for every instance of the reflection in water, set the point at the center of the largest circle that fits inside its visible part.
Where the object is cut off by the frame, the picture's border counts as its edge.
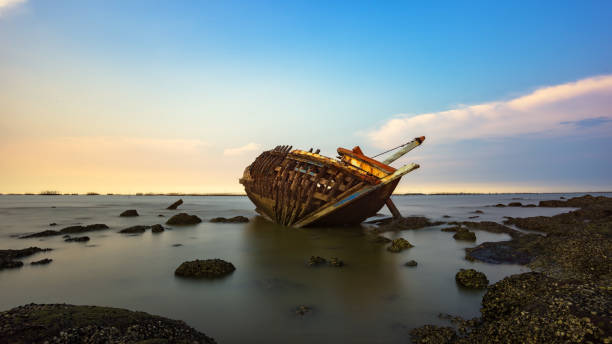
(374, 298)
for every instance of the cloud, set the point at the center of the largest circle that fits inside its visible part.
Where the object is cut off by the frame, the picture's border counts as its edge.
(249, 147)
(7, 4)
(587, 104)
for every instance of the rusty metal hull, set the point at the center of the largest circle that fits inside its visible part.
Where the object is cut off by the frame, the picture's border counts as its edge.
(298, 188)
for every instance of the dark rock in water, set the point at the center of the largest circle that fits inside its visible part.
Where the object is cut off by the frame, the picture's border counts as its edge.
(129, 213)
(520, 250)
(431, 334)
(404, 223)
(177, 245)
(478, 212)
(82, 229)
(471, 278)
(446, 216)
(235, 219)
(464, 234)
(135, 229)
(411, 263)
(515, 204)
(42, 261)
(335, 262)
(157, 228)
(10, 264)
(302, 310)
(561, 197)
(499, 205)
(46, 233)
(175, 204)
(474, 217)
(183, 219)
(316, 261)
(451, 229)
(53, 224)
(160, 215)
(492, 227)
(399, 245)
(77, 239)
(62, 323)
(209, 268)
(8, 257)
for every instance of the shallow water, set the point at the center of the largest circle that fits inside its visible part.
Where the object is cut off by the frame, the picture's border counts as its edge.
(373, 299)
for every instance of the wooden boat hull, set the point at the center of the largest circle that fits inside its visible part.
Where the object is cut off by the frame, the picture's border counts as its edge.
(298, 188)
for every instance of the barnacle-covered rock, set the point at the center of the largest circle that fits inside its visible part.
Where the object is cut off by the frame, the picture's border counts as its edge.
(471, 278)
(399, 245)
(208, 268)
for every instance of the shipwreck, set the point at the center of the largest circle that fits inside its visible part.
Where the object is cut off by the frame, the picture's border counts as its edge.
(303, 188)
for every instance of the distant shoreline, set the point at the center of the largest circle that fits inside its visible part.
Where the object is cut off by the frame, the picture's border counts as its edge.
(244, 194)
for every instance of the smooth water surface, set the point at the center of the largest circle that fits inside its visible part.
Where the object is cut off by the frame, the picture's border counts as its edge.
(373, 299)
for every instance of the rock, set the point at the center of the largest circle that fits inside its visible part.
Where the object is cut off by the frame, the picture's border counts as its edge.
(515, 204)
(316, 261)
(464, 234)
(335, 262)
(135, 229)
(62, 323)
(499, 205)
(302, 310)
(399, 245)
(208, 268)
(157, 228)
(478, 212)
(235, 219)
(451, 229)
(431, 334)
(175, 205)
(83, 229)
(183, 219)
(129, 213)
(492, 227)
(474, 217)
(471, 278)
(77, 239)
(177, 245)
(45, 233)
(529, 206)
(8, 257)
(42, 261)
(53, 224)
(411, 263)
(160, 215)
(446, 216)
(404, 223)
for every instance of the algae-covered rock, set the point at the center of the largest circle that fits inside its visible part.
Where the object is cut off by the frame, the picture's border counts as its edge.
(77, 239)
(235, 219)
(399, 245)
(464, 234)
(157, 228)
(411, 263)
(129, 213)
(62, 323)
(316, 261)
(208, 268)
(42, 262)
(335, 262)
(134, 230)
(431, 334)
(183, 219)
(471, 278)
(302, 310)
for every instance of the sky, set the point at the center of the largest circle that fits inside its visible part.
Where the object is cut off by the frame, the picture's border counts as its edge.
(180, 96)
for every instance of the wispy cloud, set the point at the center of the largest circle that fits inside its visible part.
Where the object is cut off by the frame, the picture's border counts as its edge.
(7, 4)
(249, 147)
(586, 103)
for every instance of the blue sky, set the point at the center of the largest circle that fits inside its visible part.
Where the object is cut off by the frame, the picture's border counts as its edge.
(214, 76)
